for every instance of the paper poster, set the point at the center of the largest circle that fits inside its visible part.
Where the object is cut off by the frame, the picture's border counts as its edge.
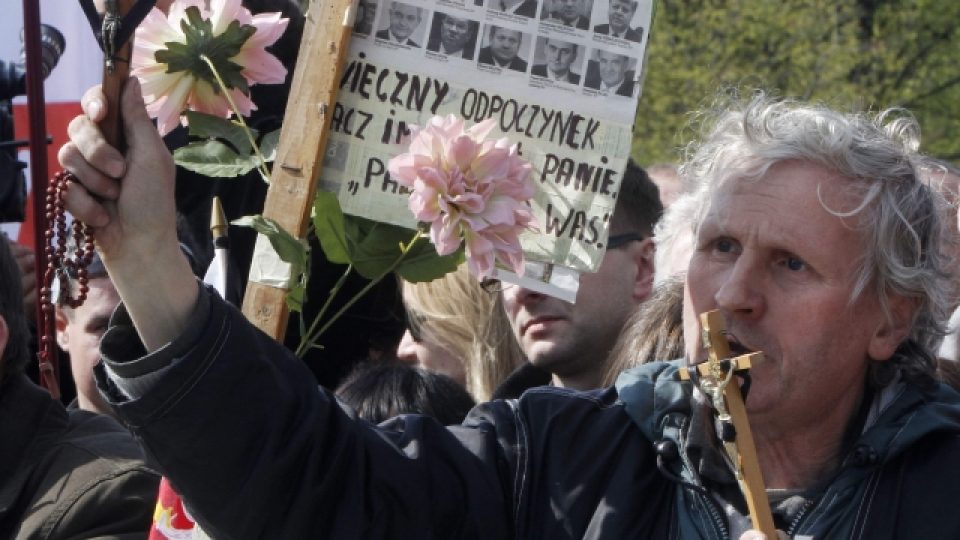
(561, 77)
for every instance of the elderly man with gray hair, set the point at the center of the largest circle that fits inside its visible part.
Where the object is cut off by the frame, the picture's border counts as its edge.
(816, 241)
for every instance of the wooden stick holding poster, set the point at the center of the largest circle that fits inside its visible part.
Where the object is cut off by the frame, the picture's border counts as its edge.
(303, 141)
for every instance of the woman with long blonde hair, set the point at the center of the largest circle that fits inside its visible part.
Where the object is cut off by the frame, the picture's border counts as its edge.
(457, 328)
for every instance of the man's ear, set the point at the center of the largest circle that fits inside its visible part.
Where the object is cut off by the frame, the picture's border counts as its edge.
(60, 317)
(642, 253)
(891, 332)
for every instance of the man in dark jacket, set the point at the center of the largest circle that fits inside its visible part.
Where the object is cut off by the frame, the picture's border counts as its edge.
(453, 36)
(62, 474)
(503, 51)
(817, 243)
(559, 57)
(523, 8)
(620, 13)
(404, 20)
(610, 73)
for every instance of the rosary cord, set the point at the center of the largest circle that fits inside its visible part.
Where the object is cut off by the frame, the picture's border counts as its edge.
(61, 266)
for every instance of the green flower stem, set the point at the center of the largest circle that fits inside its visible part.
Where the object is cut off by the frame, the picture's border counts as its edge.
(308, 339)
(261, 167)
(404, 250)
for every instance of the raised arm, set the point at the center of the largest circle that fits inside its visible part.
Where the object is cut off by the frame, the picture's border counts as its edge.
(128, 199)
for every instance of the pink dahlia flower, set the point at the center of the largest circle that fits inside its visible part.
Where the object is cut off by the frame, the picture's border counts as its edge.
(167, 50)
(469, 189)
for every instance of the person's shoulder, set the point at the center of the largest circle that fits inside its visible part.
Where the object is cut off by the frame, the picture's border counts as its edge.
(92, 477)
(98, 448)
(601, 29)
(583, 23)
(518, 64)
(528, 8)
(539, 70)
(634, 34)
(573, 78)
(383, 34)
(546, 401)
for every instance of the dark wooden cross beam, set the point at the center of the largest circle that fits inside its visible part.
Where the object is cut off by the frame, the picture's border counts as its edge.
(715, 378)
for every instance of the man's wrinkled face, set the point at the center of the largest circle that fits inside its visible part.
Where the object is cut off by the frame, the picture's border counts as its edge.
(404, 19)
(505, 44)
(568, 10)
(612, 67)
(621, 13)
(454, 33)
(782, 270)
(559, 55)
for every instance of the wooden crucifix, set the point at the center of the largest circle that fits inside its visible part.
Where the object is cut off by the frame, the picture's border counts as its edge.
(303, 141)
(715, 377)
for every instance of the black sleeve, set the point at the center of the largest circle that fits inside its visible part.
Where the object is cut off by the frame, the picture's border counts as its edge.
(259, 451)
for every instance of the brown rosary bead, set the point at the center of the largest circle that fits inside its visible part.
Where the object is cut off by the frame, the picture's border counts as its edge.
(59, 262)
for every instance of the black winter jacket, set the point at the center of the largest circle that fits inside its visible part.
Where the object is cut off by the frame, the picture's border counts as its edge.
(238, 425)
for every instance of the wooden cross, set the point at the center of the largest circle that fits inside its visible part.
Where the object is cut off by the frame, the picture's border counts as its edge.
(733, 428)
(303, 141)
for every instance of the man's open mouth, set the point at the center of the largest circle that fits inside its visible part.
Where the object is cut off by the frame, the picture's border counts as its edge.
(737, 348)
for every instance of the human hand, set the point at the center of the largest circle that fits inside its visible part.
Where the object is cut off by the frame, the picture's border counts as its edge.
(126, 199)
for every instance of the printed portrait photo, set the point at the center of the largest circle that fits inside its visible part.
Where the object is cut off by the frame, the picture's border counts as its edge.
(557, 60)
(453, 36)
(505, 48)
(618, 15)
(524, 8)
(402, 23)
(366, 14)
(572, 13)
(611, 73)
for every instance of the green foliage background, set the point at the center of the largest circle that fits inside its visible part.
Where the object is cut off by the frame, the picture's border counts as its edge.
(851, 54)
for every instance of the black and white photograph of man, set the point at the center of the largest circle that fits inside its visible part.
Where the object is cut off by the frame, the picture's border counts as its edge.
(557, 61)
(400, 24)
(503, 49)
(620, 14)
(524, 8)
(453, 36)
(610, 73)
(572, 13)
(366, 14)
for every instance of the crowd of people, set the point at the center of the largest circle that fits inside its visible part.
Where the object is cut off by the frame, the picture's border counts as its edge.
(824, 238)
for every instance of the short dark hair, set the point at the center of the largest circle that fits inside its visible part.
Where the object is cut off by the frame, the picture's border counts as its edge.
(574, 45)
(378, 392)
(638, 205)
(17, 352)
(494, 28)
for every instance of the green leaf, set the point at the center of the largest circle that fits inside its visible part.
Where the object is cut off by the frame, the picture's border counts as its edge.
(424, 264)
(297, 296)
(268, 145)
(201, 41)
(208, 126)
(328, 224)
(375, 247)
(291, 250)
(213, 158)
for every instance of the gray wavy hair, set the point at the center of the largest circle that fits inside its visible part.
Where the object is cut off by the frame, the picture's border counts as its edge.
(877, 155)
